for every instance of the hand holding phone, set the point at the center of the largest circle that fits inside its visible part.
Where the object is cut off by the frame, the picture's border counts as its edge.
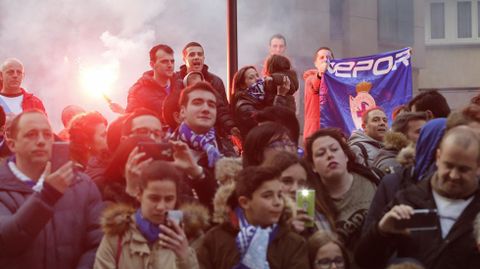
(421, 220)
(173, 236)
(402, 219)
(157, 151)
(306, 202)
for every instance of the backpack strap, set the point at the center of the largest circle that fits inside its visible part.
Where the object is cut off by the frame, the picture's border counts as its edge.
(364, 152)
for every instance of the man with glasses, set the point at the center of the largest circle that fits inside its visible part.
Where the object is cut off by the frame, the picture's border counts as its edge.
(144, 122)
(155, 85)
(48, 219)
(13, 98)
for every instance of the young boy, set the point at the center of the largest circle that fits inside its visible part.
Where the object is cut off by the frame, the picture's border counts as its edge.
(253, 234)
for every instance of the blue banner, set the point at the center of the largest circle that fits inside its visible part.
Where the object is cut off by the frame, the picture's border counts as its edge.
(354, 85)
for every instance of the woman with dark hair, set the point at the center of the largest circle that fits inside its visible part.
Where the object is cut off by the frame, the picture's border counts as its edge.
(265, 140)
(325, 250)
(349, 185)
(296, 175)
(87, 137)
(88, 143)
(250, 93)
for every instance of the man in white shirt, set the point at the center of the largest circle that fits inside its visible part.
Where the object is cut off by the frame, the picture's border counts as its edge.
(13, 98)
(453, 190)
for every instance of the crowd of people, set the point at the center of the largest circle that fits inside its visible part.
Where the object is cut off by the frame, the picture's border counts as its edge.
(190, 176)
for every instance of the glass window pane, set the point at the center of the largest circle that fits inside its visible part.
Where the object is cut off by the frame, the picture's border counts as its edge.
(437, 20)
(478, 17)
(405, 21)
(387, 21)
(464, 19)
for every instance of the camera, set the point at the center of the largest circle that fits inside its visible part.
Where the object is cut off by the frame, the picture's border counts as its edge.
(421, 220)
(157, 151)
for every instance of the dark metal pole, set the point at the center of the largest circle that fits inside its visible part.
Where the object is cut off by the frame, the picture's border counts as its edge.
(232, 45)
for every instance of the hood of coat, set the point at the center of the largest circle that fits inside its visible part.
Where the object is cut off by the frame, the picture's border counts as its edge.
(395, 140)
(406, 156)
(309, 73)
(116, 219)
(183, 72)
(360, 136)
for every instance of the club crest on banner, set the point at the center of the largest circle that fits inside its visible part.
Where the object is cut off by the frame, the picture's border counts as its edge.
(361, 102)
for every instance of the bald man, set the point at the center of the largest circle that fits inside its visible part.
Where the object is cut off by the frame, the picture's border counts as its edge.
(453, 193)
(13, 98)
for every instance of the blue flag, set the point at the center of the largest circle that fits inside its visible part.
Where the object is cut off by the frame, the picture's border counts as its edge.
(356, 84)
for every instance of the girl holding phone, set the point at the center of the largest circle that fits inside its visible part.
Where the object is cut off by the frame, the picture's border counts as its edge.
(146, 237)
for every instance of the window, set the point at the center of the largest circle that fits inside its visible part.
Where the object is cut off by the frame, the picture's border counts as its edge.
(437, 20)
(452, 22)
(478, 18)
(395, 21)
(464, 19)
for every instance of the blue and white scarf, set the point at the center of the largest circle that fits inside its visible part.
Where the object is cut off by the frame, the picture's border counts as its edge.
(252, 243)
(201, 142)
(149, 230)
(257, 90)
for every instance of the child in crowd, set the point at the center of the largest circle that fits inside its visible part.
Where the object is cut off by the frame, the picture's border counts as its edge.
(326, 251)
(254, 234)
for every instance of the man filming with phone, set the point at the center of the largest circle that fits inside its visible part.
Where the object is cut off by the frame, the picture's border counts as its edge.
(453, 191)
(48, 219)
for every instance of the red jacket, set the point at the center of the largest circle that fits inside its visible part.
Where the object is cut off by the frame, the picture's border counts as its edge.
(312, 103)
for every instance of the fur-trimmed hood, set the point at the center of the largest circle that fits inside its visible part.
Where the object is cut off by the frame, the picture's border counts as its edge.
(116, 219)
(226, 168)
(406, 156)
(395, 141)
(224, 196)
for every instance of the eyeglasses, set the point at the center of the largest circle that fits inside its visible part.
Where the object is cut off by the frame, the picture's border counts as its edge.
(144, 131)
(326, 263)
(281, 144)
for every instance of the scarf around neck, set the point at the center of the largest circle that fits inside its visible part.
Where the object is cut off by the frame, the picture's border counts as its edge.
(201, 142)
(149, 230)
(257, 90)
(252, 243)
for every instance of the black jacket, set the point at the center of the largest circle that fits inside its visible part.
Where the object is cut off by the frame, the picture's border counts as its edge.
(245, 107)
(457, 250)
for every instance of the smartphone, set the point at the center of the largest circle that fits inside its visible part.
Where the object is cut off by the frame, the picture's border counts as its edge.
(421, 220)
(175, 216)
(157, 151)
(306, 201)
(60, 155)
